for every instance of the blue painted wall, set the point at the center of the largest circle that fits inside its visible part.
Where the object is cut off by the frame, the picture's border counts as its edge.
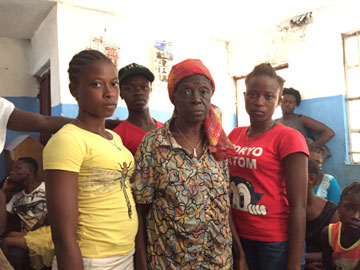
(30, 104)
(329, 110)
(71, 110)
(332, 112)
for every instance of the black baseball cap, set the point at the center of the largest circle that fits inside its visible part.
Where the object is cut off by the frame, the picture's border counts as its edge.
(135, 69)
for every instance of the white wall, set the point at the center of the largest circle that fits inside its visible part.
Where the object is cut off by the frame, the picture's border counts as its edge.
(16, 79)
(44, 53)
(314, 53)
(136, 40)
(315, 61)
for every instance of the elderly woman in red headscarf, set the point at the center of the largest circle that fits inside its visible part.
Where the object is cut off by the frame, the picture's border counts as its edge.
(181, 179)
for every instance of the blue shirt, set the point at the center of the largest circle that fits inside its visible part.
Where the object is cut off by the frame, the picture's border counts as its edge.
(328, 189)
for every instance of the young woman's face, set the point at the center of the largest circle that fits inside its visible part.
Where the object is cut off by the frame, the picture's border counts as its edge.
(262, 96)
(317, 157)
(349, 212)
(135, 90)
(98, 89)
(288, 104)
(192, 98)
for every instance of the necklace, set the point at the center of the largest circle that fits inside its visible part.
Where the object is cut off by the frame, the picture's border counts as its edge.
(112, 141)
(189, 144)
(258, 133)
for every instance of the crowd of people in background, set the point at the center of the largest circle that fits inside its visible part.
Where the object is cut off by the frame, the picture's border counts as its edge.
(176, 195)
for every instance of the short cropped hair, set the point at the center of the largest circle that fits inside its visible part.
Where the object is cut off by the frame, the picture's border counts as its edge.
(353, 188)
(293, 92)
(31, 162)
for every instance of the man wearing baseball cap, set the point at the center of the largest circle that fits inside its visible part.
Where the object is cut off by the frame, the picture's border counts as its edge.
(135, 88)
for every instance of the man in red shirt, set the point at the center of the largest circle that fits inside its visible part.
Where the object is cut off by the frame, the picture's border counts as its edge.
(135, 88)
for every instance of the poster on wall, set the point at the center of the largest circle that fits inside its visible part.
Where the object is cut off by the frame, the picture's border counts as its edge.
(163, 61)
(104, 43)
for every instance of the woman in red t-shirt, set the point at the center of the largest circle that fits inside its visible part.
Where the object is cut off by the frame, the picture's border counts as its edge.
(268, 179)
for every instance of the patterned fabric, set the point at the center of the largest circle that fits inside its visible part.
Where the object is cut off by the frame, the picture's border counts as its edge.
(187, 223)
(328, 189)
(219, 144)
(30, 208)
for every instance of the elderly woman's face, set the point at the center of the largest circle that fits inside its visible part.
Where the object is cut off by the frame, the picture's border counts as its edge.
(192, 98)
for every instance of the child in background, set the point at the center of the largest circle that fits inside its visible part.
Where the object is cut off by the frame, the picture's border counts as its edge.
(341, 241)
(319, 214)
(268, 179)
(326, 185)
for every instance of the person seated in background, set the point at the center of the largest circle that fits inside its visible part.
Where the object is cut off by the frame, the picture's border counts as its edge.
(135, 89)
(291, 98)
(326, 185)
(341, 241)
(29, 205)
(319, 213)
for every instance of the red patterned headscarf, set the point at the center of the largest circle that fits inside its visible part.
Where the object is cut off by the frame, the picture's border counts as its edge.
(219, 143)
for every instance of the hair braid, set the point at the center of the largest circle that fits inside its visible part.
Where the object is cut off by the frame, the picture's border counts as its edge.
(83, 59)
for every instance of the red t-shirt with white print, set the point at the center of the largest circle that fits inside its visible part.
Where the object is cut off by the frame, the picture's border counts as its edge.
(259, 202)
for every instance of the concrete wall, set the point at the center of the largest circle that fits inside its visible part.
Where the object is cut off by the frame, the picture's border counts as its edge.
(16, 81)
(15, 75)
(136, 45)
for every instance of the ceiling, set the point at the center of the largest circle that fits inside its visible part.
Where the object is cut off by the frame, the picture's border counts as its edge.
(225, 20)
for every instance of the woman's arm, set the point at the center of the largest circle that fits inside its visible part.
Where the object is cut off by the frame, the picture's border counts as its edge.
(325, 132)
(296, 173)
(62, 203)
(238, 252)
(27, 121)
(141, 239)
(326, 250)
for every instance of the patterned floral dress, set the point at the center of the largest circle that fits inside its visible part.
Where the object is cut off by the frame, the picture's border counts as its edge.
(188, 221)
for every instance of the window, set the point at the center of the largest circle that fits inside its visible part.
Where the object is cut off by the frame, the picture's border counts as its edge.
(351, 45)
